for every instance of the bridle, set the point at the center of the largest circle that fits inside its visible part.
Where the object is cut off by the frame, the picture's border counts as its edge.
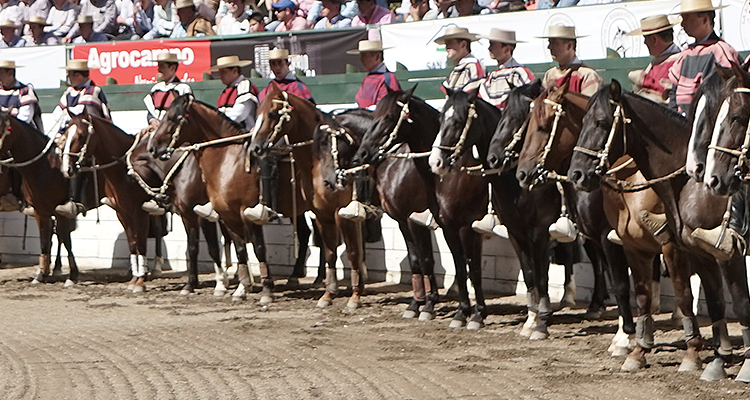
(285, 115)
(602, 155)
(743, 163)
(181, 119)
(9, 162)
(81, 154)
(510, 149)
(335, 135)
(543, 173)
(456, 150)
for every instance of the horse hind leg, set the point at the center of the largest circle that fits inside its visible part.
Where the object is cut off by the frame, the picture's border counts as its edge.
(214, 250)
(353, 234)
(57, 270)
(417, 277)
(64, 228)
(642, 271)
(329, 234)
(303, 236)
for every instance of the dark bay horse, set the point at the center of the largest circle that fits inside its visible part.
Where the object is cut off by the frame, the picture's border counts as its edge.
(43, 185)
(391, 177)
(657, 140)
(547, 150)
(286, 125)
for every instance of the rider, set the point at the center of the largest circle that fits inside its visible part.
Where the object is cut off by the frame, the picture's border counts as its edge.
(468, 73)
(562, 47)
(158, 101)
(82, 94)
(509, 72)
(653, 82)
(287, 81)
(379, 79)
(238, 101)
(19, 100)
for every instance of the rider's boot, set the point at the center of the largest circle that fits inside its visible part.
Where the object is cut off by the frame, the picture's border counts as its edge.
(75, 205)
(725, 243)
(264, 211)
(656, 224)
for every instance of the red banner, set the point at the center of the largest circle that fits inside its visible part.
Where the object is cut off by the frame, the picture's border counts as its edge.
(132, 62)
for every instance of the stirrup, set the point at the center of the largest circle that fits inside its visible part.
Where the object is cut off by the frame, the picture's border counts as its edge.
(721, 245)
(501, 231)
(656, 224)
(613, 237)
(260, 214)
(486, 225)
(206, 211)
(153, 208)
(563, 230)
(70, 209)
(424, 218)
(354, 211)
(105, 201)
(28, 211)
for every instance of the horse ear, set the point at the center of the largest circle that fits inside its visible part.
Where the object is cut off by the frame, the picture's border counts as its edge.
(473, 95)
(615, 90)
(406, 96)
(724, 73)
(275, 85)
(740, 73)
(449, 92)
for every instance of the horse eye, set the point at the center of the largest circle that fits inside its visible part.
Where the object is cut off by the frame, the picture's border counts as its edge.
(601, 124)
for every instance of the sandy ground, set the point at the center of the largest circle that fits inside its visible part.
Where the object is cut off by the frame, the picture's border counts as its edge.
(96, 341)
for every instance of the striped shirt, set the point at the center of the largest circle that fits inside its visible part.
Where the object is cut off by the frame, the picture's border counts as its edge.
(499, 82)
(466, 76)
(21, 102)
(289, 84)
(583, 79)
(161, 96)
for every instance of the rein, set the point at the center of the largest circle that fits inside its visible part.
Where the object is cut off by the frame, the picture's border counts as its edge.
(543, 173)
(10, 161)
(459, 147)
(742, 159)
(82, 153)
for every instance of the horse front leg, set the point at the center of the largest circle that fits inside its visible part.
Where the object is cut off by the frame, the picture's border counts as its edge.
(266, 280)
(453, 240)
(64, 227)
(214, 250)
(417, 274)
(45, 239)
(472, 244)
(715, 303)
(355, 251)
(735, 274)
(193, 238)
(426, 262)
(303, 238)
(680, 269)
(243, 272)
(641, 267)
(330, 235)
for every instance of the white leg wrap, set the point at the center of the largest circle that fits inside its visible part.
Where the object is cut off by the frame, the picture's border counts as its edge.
(142, 268)
(134, 264)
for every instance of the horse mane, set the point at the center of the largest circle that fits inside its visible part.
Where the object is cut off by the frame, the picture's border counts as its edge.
(516, 105)
(710, 88)
(221, 115)
(386, 103)
(668, 112)
(31, 128)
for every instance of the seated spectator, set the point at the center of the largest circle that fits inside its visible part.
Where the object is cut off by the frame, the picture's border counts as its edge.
(12, 10)
(61, 18)
(462, 8)
(39, 8)
(191, 24)
(201, 8)
(257, 22)
(10, 38)
(236, 21)
(372, 14)
(332, 18)
(143, 19)
(104, 15)
(164, 18)
(86, 32)
(288, 19)
(546, 4)
(37, 36)
(124, 19)
(421, 10)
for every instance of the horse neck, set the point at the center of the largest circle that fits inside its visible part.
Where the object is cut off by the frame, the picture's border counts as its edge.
(206, 123)
(570, 129)
(488, 116)
(28, 144)
(424, 127)
(113, 142)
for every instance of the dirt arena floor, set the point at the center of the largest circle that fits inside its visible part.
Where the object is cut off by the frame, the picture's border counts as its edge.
(95, 341)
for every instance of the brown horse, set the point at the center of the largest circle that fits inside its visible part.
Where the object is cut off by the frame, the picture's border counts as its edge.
(94, 139)
(617, 122)
(43, 185)
(546, 150)
(286, 125)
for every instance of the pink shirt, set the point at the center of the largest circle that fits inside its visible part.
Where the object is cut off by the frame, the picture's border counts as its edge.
(380, 16)
(295, 24)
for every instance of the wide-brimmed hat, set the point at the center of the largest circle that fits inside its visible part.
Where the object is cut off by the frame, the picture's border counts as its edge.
(77, 65)
(37, 20)
(561, 32)
(282, 4)
(653, 24)
(454, 32)
(179, 4)
(85, 19)
(692, 6)
(367, 45)
(229, 61)
(278, 54)
(8, 24)
(502, 36)
(167, 57)
(6, 64)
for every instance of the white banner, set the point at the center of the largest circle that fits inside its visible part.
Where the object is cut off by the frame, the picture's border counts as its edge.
(603, 26)
(40, 66)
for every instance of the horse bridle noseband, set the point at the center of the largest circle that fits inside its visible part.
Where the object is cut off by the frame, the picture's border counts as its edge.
(603, 155)
(181, 119)
(456, 150)
(542, 172)
(743, 163)
(335, 135)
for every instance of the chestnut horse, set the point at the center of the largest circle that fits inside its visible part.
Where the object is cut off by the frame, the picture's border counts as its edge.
(285, 126)
(619, 123)
(391, 177)
(43, 185)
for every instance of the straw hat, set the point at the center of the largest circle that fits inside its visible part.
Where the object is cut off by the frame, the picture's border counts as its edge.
(8, 24)
(692, 6)
(85, 19)
(367, 45)
(454, 32)
(179, 4)
(653, 24)
(77, 65)
(278, 54)
(229, 61)
(168, 57)
(37, 20)
(561, 32)
(499, 35)
(8, 64)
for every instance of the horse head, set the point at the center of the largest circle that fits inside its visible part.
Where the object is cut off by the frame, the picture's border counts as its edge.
(456, 120)
(391, 120)
(169, 134)
(335, 143)
(727, 163)
(702, 116)
(601, 139)
(79, 138)
(508, 137)
(6, 132)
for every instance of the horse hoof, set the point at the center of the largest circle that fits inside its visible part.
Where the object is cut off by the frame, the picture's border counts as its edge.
(474, 325)
(185, 292)
(526, 332)
(689, 365)
(593, 315)
(352, 305)
(265, 300)
(236, 298)
(130, 287)
(137, 289)
(456, 323)
(744, 374)
(619, 351)
(426, 316)
(323, 303)
(632, 364)
(56, 272)
(292, 282)
(35, 281)
(714, 371)
(538, 335)
(219, 293)
(68, 284)
(409, 314)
